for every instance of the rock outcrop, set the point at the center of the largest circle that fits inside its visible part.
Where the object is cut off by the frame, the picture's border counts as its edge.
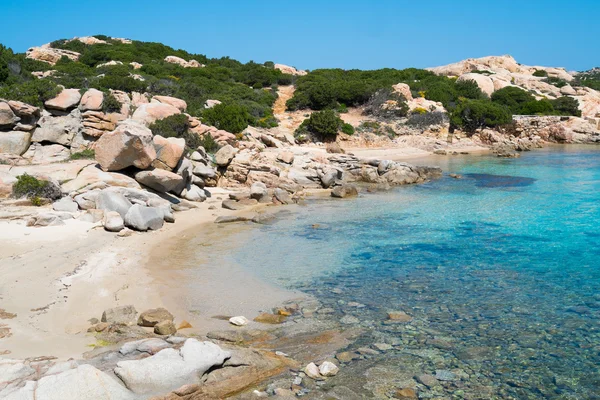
(130, 144)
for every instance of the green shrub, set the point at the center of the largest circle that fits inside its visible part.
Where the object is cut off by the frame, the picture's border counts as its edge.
(230, 117)
(535, 107)
(323, 124)
(348, 129)
(540, 73)
(566, 105)
(34, 189)
(209, 143)
(512, 97)
(378, 104)
(84, 154)
(470, 115)
(110, 103)
(556, 81)
(34, 92)
(171, 126)
(4, 57)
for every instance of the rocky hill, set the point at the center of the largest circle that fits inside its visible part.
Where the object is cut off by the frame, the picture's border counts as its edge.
(89, 114)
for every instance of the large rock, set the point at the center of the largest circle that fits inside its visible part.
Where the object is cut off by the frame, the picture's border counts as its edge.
(204, 171)
(128, 145)
(154, 316)
(159, 179)
(7, 116)
(120, 315)
(92, 100)
(65, 204)
(92, 176)
(66, 100)
(108, 200)
(224, 156)
(169, 368)
(286, 69)
(49, 55)
(151, 112)
(484, 82)
(182, 62)
(168, 152)
(404, 90)
(60, 130)
(194, 193)
(344, 191)
(24, 110)
(14, 142)
(40, 154)
(113, 222)
(143, 218)
(258, 190)
(83, 382)
(173, 101)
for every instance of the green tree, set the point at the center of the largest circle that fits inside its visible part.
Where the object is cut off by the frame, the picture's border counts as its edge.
(471, 115)
(512, 97)
(566, 105)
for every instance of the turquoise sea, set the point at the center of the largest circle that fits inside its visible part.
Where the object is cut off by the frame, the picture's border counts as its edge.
(500, 270)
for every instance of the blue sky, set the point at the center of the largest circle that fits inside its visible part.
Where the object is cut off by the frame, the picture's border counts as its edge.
(328, 33)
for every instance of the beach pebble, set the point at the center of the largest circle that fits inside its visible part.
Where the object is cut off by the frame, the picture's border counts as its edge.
(444, 375)
(165, 328)
(260, 394)
(382, 346)
(328, 369)
(238, 321)
(399, 316)
(312, 371)
(349, 319)
(427, 380)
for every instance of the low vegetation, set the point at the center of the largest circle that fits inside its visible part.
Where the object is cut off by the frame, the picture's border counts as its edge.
(250, 86)
(323, 125)
(87, 154)
(34, 189)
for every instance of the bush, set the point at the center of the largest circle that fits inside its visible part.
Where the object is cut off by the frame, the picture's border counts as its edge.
(34, 189)
(566, 106)
(323, 124)
(34, 92)
(171, 126)
(84, 154)
(348, 129)
(230, 117)
(540, 73)
(386, 103)
(110, 103)
(513, 98)
(209, 143)
(470, 115)
(535, 107)
(556, 81)
(425, 120)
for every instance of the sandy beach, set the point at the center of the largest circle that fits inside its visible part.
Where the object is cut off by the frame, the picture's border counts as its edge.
(57, 278)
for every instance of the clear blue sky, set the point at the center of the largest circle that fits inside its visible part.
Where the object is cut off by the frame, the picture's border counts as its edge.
(327, 33)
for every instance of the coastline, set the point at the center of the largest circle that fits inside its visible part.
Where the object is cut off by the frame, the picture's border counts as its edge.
(76, 271)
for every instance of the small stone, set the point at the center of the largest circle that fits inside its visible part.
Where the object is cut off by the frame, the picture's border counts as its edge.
(267, 318)
(99, 327)
(427, 380)
(399, 316)
(444, 375)
(383, 346)
(349, 319)
(238, 321)
(165, 328)
(184, 325)
(347, 356)
(367, 351)
(312, 371)
(125, 232)
(154, 316)
(328, 369)
(406, 394)
(120, 315)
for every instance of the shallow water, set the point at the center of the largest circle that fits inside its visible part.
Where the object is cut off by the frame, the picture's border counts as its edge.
(500, 270)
